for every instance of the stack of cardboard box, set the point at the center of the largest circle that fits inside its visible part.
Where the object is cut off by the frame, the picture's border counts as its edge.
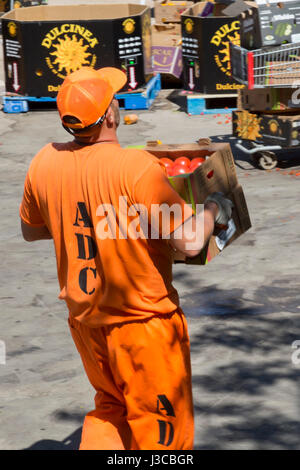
(166, 39)
(269, 115)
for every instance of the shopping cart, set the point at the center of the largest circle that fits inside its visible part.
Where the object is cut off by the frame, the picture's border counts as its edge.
(268, 67)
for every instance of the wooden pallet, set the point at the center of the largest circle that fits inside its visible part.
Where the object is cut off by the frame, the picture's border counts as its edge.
(200, 103)
(140, 99)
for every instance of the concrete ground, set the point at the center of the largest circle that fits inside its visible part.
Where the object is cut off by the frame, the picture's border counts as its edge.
(243, 309)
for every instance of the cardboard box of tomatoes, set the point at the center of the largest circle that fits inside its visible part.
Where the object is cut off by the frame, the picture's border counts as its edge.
(197, 170)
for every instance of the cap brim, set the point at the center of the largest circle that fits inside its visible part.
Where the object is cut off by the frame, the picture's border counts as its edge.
(115, 77)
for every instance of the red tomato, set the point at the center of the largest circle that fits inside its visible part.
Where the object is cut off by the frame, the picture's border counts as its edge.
(198, 159)
(194, 166)
(184, 161)
(195, 163)
(170, 170)
(179, 170)
(167, 162)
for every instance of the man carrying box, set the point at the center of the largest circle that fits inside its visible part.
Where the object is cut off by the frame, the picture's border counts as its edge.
(124, 313)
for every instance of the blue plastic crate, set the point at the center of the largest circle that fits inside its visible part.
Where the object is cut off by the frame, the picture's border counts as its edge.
(20, 104)
(15, 106)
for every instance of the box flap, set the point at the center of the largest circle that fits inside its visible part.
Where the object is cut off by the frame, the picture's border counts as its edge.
(238, 7)
(198, 9)
(204, 148)
(75, 12)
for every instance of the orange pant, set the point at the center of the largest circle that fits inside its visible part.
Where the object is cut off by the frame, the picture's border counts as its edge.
(141, 372)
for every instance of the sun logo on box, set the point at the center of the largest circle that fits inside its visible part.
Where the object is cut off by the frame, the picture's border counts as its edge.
(189, 25)
(70, 47)
(70, 54)
(273, 126)
(128, 26)
(12, 29)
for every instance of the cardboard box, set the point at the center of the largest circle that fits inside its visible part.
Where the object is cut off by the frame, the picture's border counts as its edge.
(237, 7)
(60, 39)
(169, 11)
(217, 173)
(4, 6)
(205, 50)
(166, 50)
(270, 23)
(270, 129)
(282, 73)
(269, 99)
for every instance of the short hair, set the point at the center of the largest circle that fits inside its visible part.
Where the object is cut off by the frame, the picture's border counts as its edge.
(71, 119)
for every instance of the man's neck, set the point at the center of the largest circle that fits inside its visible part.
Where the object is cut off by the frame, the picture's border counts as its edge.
(105, 136)
(102, 141)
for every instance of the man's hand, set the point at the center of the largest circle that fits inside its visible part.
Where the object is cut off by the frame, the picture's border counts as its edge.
(225, 206)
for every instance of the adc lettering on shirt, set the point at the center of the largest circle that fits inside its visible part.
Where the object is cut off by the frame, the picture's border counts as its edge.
(87, 248)
(166, 428)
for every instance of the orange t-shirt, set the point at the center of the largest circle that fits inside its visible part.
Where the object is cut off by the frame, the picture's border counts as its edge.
(107, 272)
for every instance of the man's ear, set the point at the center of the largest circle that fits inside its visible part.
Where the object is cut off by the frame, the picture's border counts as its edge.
(110, 118)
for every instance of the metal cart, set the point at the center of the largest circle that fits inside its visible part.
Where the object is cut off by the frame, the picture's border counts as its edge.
(264, 156)
(268, 67)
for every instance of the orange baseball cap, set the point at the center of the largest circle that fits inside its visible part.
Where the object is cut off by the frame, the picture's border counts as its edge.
(86, 94)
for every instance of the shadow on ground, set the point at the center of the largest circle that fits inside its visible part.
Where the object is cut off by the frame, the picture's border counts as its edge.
(245, 383)
(178, 98)
(238, 413)
(69, 443)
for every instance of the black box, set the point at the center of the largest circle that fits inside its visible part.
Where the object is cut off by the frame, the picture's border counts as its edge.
(269, 100)
(43, 44)
(270, 23)
(270, 129)
(205, 50)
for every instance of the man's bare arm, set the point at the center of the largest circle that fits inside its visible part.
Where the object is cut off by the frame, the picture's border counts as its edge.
(31, 234)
